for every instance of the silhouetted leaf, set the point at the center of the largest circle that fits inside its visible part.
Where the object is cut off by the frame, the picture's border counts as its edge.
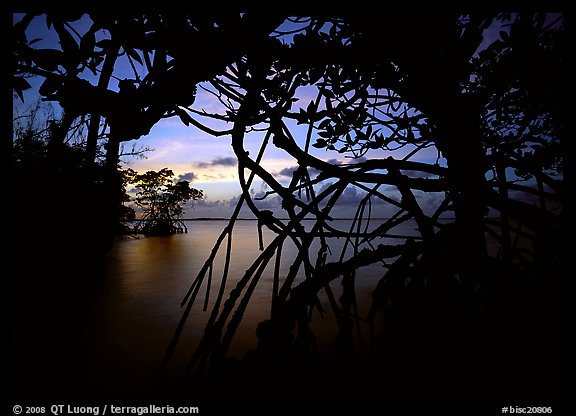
(104, 43)
(71, 16)
(19, 31)
(320, 143)
(373, 145)
(327, 93)
(410, 135)
(312, 112)
(134, 55)
(93, 64)
(315, 74)
(184, 116)
(310, 107)
(67, 41)
(302, 117)
(332, 31)
(50, 85)
(346, 87)
(497, 45)
(48, 59)
(19, 85)
(87, 43)
(348, 116)
(324, 124)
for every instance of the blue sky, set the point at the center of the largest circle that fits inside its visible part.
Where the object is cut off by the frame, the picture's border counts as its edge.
(208, 162)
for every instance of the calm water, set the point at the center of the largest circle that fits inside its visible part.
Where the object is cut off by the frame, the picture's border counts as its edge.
(138, 306)
(108, 338)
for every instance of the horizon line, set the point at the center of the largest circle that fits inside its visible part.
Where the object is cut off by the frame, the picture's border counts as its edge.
(281, 219)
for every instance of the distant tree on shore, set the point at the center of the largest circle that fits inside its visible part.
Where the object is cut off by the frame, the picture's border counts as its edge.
(161, 199)
(119, 108)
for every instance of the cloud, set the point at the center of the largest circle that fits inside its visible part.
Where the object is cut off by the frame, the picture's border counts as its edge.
(417, 174)
(360, 159)
(353, 195)
(188, 176)
(271, 202)
(288, 172)
(219, 161)
(206, 203)
(225, 161)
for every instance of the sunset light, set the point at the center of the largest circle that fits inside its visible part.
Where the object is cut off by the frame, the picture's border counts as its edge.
(266, 209)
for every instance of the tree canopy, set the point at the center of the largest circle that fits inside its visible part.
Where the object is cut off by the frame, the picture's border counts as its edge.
(160, 199)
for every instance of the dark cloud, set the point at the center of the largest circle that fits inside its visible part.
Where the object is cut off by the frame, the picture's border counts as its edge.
(234, 200)
(288, 172)
(352, 195)
(417, 174)
(272, 201)
(189, 176)
(360, 159)
(219, 161)
(206, 203)
(225, 161)
(429, 201)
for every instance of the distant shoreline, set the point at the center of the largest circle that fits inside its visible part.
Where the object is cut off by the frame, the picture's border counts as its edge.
(281, 219)
(256, 219)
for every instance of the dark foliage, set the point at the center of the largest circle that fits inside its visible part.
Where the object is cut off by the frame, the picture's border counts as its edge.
(449, 314)
(160, 199)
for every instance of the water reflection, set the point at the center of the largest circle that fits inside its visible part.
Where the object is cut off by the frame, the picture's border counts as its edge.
(148, 277)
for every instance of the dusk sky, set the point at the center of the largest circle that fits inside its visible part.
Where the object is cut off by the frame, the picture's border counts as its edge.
(360, 249)
(207, 162)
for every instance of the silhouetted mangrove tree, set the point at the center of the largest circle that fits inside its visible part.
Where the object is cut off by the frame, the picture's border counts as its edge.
(483, 93)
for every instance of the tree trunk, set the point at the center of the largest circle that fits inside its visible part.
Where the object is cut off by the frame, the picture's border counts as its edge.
(103, 81)
(461, 145)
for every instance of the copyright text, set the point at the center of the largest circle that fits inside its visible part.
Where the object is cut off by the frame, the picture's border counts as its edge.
(64, 409)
